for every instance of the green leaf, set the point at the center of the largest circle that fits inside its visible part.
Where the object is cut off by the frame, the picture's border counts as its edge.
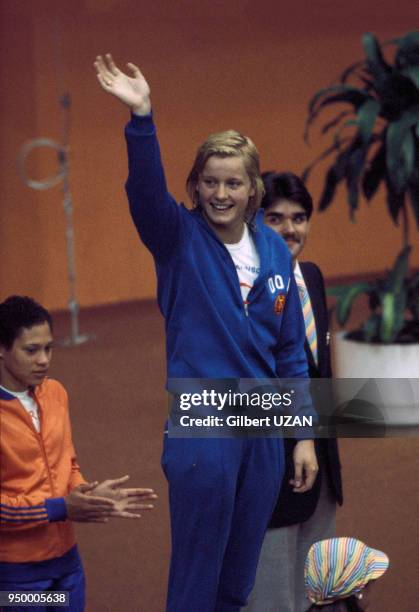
(329, 188)
(336, 93)
(409, 39)
(346, 124)
(395, 201)
(413, 296)
(346, 300)
(414, 199)
(398, 156)
(408, 51)
(370, 327)
(408, 153)
(354, 171)
(331, 95)
(392, 315)
(376, 63)
(414, 194)
(396, 278)
(350, 70)
(368, 83)
(387, 318)
(353, 199)
(374, 173)
(372, 49)
(398, 94)
(413, 73)
(333, 148)
(394, 298)
(367, 114)
(334, 122)
(337, 290)
(334, 175)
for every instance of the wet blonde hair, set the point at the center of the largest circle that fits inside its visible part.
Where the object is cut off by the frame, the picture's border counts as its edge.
(228, 144)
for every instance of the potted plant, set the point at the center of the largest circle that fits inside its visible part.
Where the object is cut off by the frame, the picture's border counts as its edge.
(375, 142)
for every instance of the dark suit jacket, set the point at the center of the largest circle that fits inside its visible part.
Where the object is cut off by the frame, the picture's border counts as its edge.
(292, 507)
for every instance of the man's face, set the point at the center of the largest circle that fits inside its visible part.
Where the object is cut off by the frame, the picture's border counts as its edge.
(289, 220)
(224, 189)
(27, 362)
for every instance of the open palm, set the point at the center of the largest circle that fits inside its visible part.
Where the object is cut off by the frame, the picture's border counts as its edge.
(126, 502)
(132, 90)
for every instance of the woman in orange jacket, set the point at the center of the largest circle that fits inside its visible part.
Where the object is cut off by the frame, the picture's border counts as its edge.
(42, 490)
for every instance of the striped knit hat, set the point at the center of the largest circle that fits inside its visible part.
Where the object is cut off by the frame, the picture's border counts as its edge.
(340, 567)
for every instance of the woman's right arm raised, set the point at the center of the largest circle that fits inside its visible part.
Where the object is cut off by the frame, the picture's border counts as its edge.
(154, 212)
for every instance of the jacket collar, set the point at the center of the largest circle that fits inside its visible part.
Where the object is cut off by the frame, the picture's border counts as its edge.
(35, 391)
(256, 226)
(5, 395)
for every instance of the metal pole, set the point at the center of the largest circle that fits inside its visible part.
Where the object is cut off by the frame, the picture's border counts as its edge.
(61, 176)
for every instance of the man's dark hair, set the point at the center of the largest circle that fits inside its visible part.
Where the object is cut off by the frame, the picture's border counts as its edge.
(286, 186)
(18, 312)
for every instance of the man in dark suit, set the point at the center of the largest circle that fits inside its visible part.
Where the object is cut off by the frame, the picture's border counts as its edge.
(299, 519)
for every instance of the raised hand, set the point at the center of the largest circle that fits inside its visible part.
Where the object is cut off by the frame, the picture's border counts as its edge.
(131, 89)
(127, 502)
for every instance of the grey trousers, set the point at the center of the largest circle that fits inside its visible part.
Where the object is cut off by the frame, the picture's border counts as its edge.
(279, 585)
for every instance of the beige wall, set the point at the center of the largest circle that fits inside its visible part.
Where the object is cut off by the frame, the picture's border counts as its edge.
(251, 65)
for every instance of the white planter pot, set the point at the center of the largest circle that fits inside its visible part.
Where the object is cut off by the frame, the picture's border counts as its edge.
(398, 399)
(363, 360)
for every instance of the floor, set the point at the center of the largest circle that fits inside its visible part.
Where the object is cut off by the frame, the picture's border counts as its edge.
(118, 407)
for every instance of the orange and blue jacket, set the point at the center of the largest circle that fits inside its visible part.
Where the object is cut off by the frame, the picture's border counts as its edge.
(37, 470)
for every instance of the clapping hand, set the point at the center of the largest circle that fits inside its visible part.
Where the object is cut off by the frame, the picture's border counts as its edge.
(126, 502)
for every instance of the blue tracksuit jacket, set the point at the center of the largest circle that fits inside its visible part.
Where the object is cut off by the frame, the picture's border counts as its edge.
(208, 332)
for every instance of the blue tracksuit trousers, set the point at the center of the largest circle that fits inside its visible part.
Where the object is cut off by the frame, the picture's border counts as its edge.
(74, 583)
(222, 493)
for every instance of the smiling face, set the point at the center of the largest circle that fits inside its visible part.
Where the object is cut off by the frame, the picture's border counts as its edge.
(224, 189)
(289, 220)
(27, 362)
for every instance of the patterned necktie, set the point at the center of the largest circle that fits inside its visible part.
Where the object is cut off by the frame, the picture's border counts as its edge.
(310, 324)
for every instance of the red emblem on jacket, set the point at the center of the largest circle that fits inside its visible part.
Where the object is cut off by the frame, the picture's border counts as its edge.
(279, 304)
